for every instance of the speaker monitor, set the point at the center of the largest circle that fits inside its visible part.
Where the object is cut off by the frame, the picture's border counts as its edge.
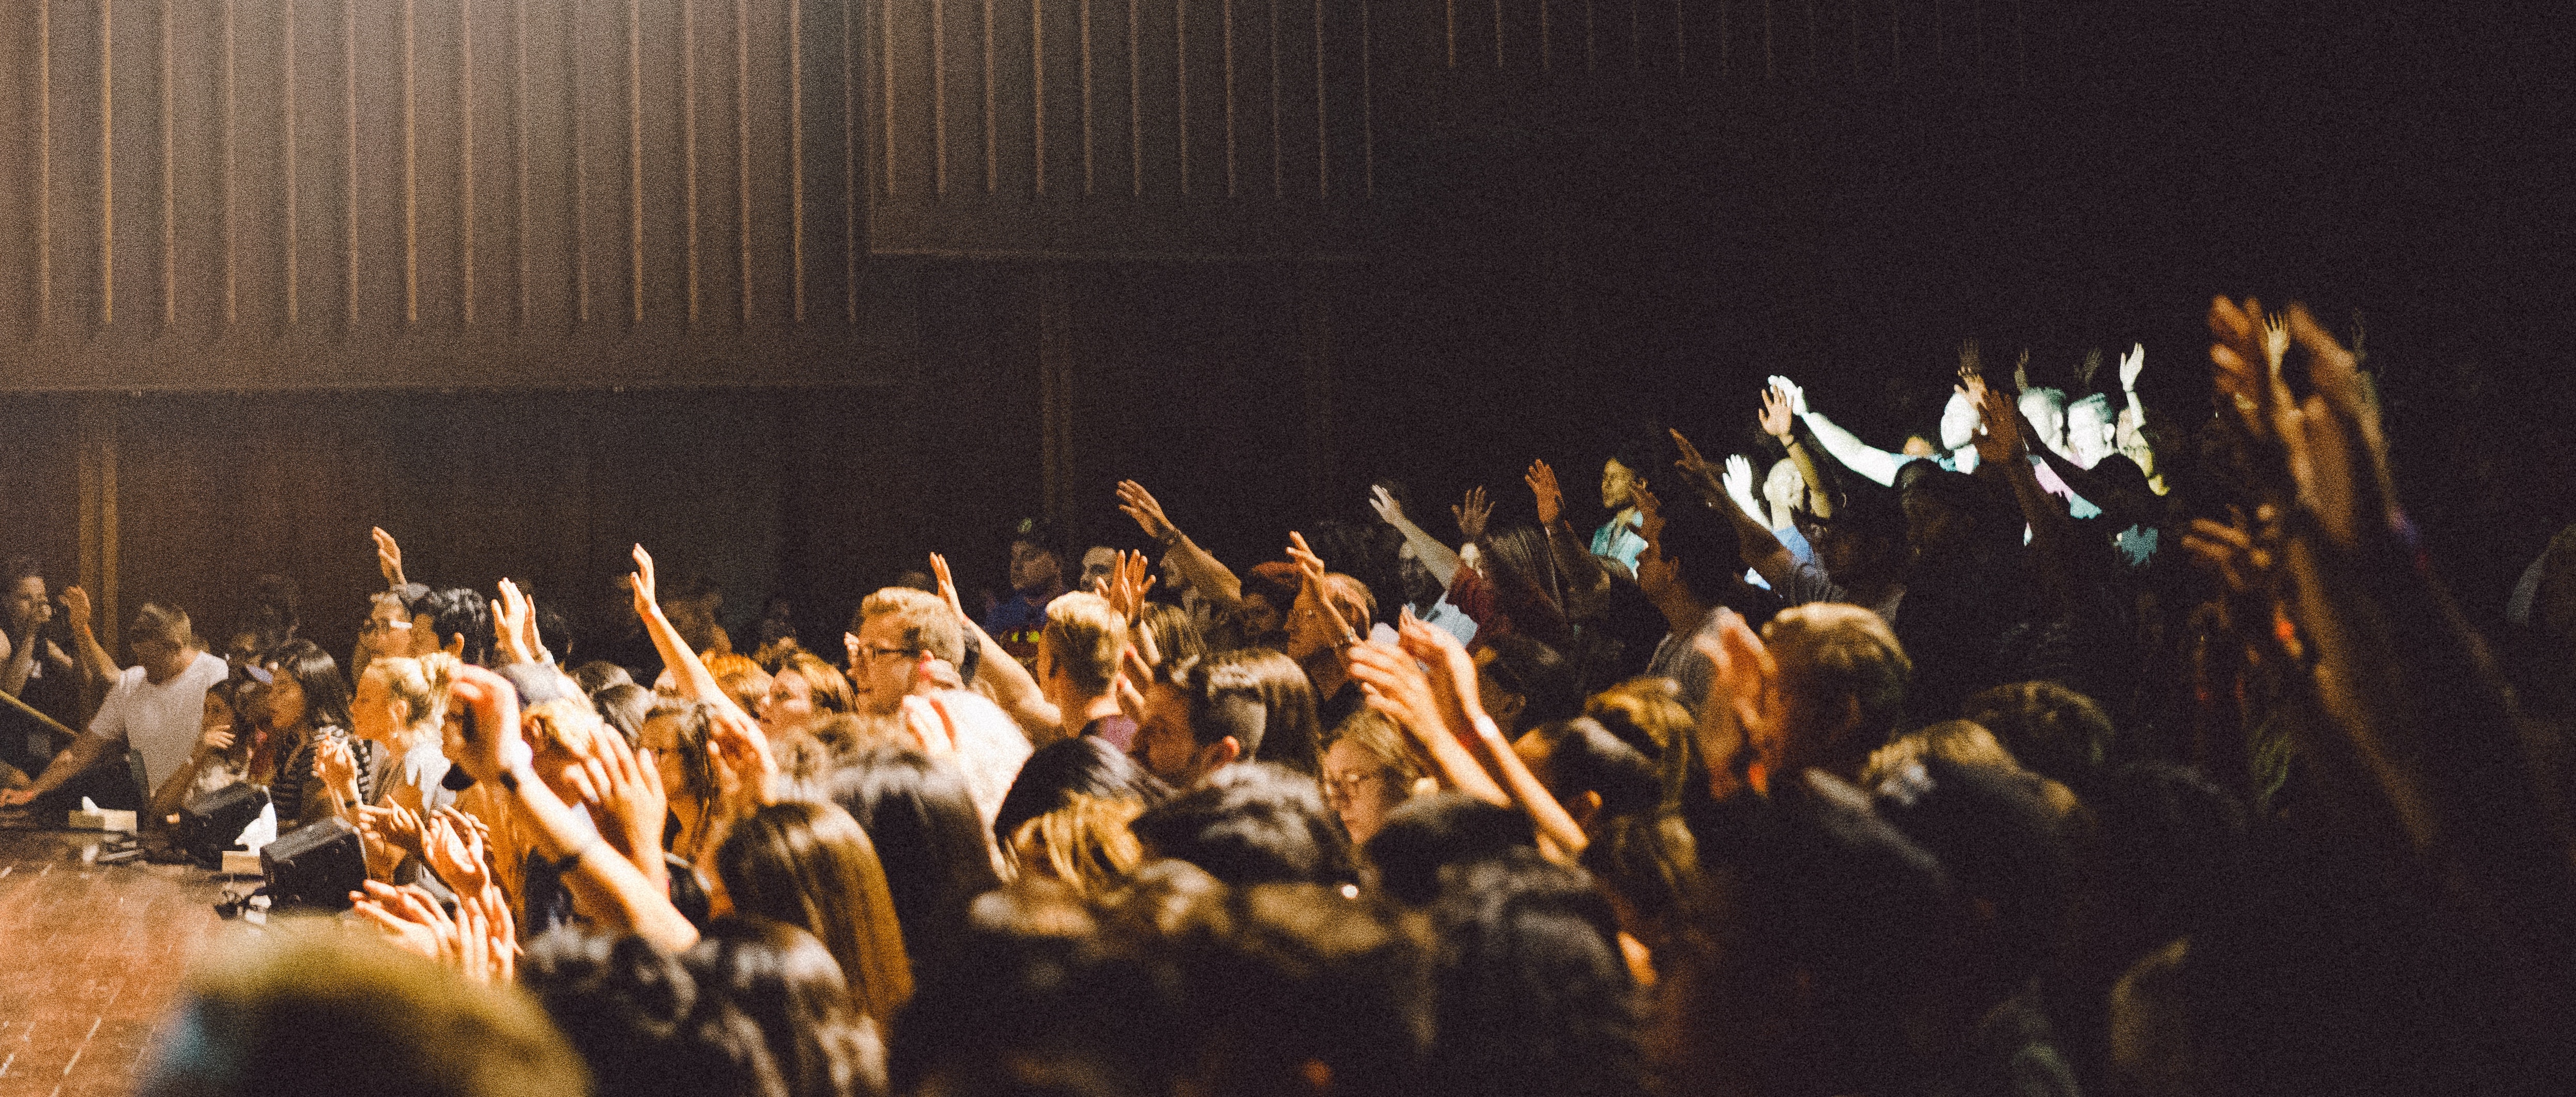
(209, 821)
(317, 864)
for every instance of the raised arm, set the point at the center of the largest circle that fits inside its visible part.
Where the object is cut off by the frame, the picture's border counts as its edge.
(1780, 421)
(1441, 559)
(690, 672)
(388, 557)
(1762, 548)
(1206, 574)
(492, 750)
(1877, 464)
(1009, 683)
(95, 662)
(1452, 675)
(2005, 451)
(1573, 557)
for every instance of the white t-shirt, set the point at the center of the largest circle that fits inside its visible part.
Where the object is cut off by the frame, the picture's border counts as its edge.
(162, 721)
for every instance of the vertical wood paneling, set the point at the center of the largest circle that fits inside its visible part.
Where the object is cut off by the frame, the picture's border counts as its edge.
(169, 173)
(796, 158)
(410, 161)
(286, 93)
(173, 155)
(106, 163)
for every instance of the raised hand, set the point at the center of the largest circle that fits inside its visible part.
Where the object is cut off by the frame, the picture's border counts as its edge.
(2001, 439)
(1550, 498)
(1388, 510)
(512, 622)
(1471, 513)
(216, 738)
(1650, 517)
(483, 726)
(1797, 396)
(1692, 463)
(1450, 670)
(737, 746)
(1394, 685)
(2131, 365)
(629, 803)
(645, 603)
(76, 607)
(1779, 417)
(1137, 503)
(947, 593)
(1739, 482)
(1129, 582)
(2021, 372)
(1969, 359)
(2084, 370)
(1310, 568)
(388, 557)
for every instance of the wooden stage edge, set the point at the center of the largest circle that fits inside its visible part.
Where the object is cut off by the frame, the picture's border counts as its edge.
(90, 957)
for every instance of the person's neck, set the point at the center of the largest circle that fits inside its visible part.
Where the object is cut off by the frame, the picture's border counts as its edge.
(176, 668)
(1683, 613)
(1087, 708)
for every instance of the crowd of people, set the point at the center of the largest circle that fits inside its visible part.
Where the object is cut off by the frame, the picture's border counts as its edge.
(2066, 746)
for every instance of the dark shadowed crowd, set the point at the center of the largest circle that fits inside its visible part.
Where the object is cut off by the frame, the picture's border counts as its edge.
(2065, 746)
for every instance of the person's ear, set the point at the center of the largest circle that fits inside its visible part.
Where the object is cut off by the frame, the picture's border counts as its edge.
(1220, 754)
(456, 645)
(402, 712)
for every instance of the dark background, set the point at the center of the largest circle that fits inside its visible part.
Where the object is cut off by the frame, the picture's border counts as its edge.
(1564, 264)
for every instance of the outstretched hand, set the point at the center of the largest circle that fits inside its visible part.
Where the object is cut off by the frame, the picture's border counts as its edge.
(388, 556)
(645, 603)
(1543, 489)
(482, 731)
(2332, 456)
(629, 803)
(513, 620)
(454, 847)
(2131, 365)
(738, 747)
(1779, 420)
(1692, 464)
(1472, 513)
(1383, 502)
(1129, 582)
(1789, 389)
(947, 593)
(1739, 481)
(1137, 503)
(1451, 671)
(76, 607)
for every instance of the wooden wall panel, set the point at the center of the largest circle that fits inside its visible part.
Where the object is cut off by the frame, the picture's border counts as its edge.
(430, 193)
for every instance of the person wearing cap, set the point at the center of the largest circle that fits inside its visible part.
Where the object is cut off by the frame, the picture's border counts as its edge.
(155, 707)
(1037, 577)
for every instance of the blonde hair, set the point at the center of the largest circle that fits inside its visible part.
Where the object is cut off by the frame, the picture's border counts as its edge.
(1085, 844)
(1651, 705)
(256, 1008)
(1085, 635)
(928, 624)
(1371, 731)
(1829, 651)
(421, 685)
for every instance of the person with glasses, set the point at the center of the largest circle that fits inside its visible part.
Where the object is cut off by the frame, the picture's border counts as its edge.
(1367, 774)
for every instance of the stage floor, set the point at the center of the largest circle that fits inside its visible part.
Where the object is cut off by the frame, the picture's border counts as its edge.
(90, 956)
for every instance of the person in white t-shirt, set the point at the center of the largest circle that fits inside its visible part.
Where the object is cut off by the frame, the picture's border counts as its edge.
(156, 706)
